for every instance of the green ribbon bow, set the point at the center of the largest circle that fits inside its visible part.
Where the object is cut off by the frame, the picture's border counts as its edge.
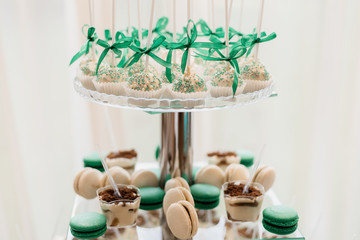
(139, 52)
(122, 43)
(160, 26)
(91, 37)
(251, 40)
(234, 32)
(189, 42)
(107, 35)
(206, 30)
(235, 53)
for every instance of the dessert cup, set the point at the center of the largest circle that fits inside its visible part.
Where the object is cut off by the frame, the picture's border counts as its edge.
(119, 212)
(223, 159)
(124, 159)
(243, 207)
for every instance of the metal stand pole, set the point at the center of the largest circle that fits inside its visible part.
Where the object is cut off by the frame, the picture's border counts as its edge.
(176, 150)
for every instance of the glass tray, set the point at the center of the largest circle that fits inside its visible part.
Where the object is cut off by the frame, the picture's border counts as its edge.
(173, 105)
(221, 229)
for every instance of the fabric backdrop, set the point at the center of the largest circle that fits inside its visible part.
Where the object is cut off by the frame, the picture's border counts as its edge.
(311, 129)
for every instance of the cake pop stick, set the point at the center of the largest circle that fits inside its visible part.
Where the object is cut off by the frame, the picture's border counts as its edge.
(259, 29)
(258, 159)
(139, 22)
(111, 179)
(149, 40)
(92, 17)
(227, 27)
(241, 14)
(129, 20)
(213, 14)
(113, 32)
(230, 8)
(189, 52)
(174, 28)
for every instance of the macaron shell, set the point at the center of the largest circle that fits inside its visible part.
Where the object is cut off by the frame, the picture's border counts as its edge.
(88, 235)
(176, 182)
(87, 222)
(182, 220)
(175, 195)
(281, 215)
(265, 175)
(151, 195)
(120, 176)
(246, 157)
(193, 216)
(92, 160)
(212, 175)
(205, 192)
(279, 230)
(87, 182)
(144, 178)
(235, 172)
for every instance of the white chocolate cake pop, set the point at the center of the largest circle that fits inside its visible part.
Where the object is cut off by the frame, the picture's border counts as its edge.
(191, 83)
(144, 81)
(176, 74)
(254, 70)
(111, 74)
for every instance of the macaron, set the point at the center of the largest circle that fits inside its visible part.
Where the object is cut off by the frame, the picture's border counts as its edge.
(88, 225)
(246, 157)
(175, 195)
(176, 182)
(120, 176)
(205, 196)
(235, 172)
(151, 198)
(281, 220)
(93, 160)
(182, 220)
(144, 178)
(265, 175)
(87, 181)
(212, 175)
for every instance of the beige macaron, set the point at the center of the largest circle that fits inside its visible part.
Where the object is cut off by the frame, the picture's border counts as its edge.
(144, 178)
(265, 175)
(120, 176)
(175, 195)
(210, 174)
(182, 220)
(176, 182)
(235, 172)
(87, 182)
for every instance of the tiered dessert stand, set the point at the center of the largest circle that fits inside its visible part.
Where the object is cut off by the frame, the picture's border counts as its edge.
(176, 147)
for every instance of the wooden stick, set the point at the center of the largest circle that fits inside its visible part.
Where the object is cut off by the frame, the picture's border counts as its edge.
(129, 19)
(227, 28)
(189, 52)
(139, 23)
(259, 29)
(149, 40)
(113, 32)
(174, 29)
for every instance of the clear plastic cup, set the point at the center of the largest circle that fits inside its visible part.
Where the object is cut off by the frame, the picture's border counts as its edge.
(122, 212)
(243, 208)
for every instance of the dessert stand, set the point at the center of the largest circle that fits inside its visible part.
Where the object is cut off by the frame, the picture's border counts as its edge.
(176, 155)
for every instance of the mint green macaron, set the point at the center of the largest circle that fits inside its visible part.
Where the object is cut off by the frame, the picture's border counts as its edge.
(151, 198)
(93, 160)
(88, 225)
(281, 220)
(247, 157)
(205, 196)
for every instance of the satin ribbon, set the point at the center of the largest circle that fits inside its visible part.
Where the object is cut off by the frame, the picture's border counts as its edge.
(206, 30)
(91, 37)
(235, 53)
(189, 42)
(251, 40)
(139, 52)
(122, 43)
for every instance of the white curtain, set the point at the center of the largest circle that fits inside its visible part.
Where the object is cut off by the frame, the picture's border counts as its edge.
(311, 129)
